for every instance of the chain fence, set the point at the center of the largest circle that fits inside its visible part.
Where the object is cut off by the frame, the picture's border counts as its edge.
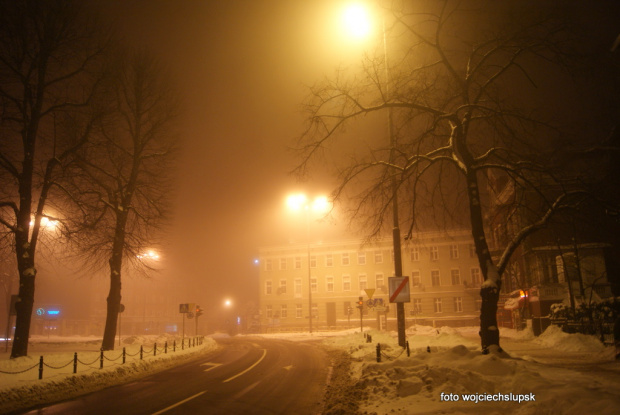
(191, 342)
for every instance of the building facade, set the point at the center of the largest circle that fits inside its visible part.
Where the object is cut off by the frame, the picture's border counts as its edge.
(444, 283)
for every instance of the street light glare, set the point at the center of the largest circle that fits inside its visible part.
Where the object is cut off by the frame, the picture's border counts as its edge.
(321, 204)
(296, 201)
(357, 20)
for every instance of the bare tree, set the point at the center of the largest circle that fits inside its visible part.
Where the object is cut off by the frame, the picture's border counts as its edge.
(49, 53)
(467, 90)
(122, 178)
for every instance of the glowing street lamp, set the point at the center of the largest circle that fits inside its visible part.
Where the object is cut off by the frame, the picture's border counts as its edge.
(357, 20)
(320, 204)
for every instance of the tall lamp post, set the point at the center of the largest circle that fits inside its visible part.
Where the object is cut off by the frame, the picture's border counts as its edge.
(297, 202)
(358, 23)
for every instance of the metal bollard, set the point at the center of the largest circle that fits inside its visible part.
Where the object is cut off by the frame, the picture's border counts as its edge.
(141, 352)
(174, 345)
(124, 354)
(408, 351)
(154, 349)
(75, 362)
(165, 347)
(378, 352)
(182, 344)
(41, 368)
(101, 359)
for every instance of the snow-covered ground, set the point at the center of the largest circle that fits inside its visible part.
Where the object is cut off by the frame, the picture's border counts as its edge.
(555, 373)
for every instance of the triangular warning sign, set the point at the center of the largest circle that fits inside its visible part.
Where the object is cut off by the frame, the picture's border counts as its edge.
(370, 292)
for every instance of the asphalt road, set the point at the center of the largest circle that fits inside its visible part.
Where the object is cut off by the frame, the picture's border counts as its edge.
(245, 376)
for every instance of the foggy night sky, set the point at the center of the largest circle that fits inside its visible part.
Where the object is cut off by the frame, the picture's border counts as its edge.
(242, 68)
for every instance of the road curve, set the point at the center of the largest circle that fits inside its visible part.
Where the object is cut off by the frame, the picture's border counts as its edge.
(245, 376)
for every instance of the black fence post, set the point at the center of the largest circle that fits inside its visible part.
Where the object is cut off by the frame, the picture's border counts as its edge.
(124, 354)
(141, 352)
(165, 347)
(174, 345)
(408, 351)
(154, 349)
(101, 359)
(41, 368)
(378, 352)
(75, 362)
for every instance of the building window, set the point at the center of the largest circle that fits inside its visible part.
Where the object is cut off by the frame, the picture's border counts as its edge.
(437, 305)
(298, 287)
(297, 262)
(282, 264)
(313, 285)
(435, 280)
(378, 257)
(346, 283)
(415, 254)
(313, 261)
(268, 287)
(283, 311)
(380, 281)
(269, 312)
(361, 258)
(475, 277)
(456, 276)
(282, 288)
(454, 251)
(472, 250)
(299, 312)
(417, 305)
(329, 260)
(345, 259)
(268, 265)
(329, 284)
(434, 253)
(415, 278)
(363, 282)
(458, 304)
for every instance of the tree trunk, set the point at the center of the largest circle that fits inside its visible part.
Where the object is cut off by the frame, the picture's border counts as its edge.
(489, 292)
(25, 303)
(114, 295)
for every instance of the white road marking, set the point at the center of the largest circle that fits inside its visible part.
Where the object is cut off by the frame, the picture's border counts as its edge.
(249, 368)
(178, 403)
(212, 365)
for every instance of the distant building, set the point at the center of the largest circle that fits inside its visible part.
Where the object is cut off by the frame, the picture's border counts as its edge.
(444, 283)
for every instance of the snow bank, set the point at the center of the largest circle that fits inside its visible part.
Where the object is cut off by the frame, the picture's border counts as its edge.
(24, 389)
(554, 338)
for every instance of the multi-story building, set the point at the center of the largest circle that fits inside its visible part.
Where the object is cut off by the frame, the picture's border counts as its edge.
(444, 283)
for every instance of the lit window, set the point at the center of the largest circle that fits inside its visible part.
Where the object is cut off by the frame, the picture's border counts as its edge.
(415, 253)
(415, 278)
(346, 283)
(363, 282)
(454, 251)
(475, 277)
(329, 284)
(329, 260)
(458, 304)
(434, 253)
(417, 305)
(456, 276)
